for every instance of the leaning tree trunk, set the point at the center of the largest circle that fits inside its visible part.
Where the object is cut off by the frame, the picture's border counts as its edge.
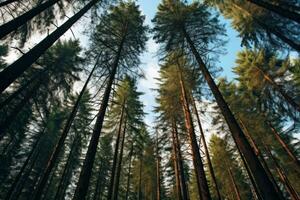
(203, 188)
(129, 173)
(176, 167)
(86, 171)
(30, 157)
(210, 167)
(115, 159)
(236, 189)
(117, 177)
(284, 145)
(184, 188)
(287, 13)
(14, 24)
(54, 156)
(13, 71)
(263, 182)
(5, 3)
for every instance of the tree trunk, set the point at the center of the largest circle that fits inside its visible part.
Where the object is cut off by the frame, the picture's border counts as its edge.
(268, 192)
(4, 3)
(236, 189)
(289, 187)
(140, 179)
(197, 161)
(158, 180)
(115, 159)
(264, 163)
(210, 167)
(86, 171)
(287, 13)
(118, 174)
(14, 24)
(13, 71)
(184, 188)
(18, 108)
(175, 161)
(129, 173)
(98, 184)
(284, 145)
(59, 145)
(13, 187)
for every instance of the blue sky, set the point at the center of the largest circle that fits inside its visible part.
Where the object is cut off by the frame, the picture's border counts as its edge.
(150, 61)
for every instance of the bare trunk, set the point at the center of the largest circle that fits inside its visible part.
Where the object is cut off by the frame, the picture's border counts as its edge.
(158, 184)
(268, 192)
(210, 167)
(175, 161)
(197, 161)
(58, 147)
(86, 171)
(140, 179)
(129, 173)
(98, 184)
(236, 189)
(287, 13)
(13, 71)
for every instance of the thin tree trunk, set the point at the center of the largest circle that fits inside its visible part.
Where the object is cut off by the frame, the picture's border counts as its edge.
(14, 24)
(284, 145)
(85, 174)
(4, 3)
(129, 173)
(140, 179)
(13, 71)
(184, 188)
(99, 183)
(197, 161)
(59, 145)
(175, 161)
(210, 167)
(236, 190)
(17, 109)
(115, 159)
(259, 154)
(158, 180)
(289, 187)
(118, 174)
(287, 13)
(13, 187)
(267, 190)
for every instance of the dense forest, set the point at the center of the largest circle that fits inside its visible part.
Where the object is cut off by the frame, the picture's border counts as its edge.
(73, 123)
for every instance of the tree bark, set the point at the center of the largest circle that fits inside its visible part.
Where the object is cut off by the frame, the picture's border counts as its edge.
(14, 24)
(5, 3)
(116, 153)
(197, 161)
(129, 173)
(268, 192)
(86, 171)
(98, 184)
(117, 177)
(287, 13)
(59, 145)
(13, 71)
(158, 180)
(184, 188)
(140, 195)
(175, 161)
(210, 167)
(236, 189)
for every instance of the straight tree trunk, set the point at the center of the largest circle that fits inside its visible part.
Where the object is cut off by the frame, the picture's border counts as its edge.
(267, 190)
(210, 167)
(140, 195)
(175, 161)
(85, 174)
(287, 13)
(197, 161)
(129, 173)
(158, 180)
(259, 154)
(289, 187)
(14, 24)
(18, 108)
(13, 187)
(59, 145)
(236, 190)
(119, 168)
(98, 184)
(284, 145)
(13, 71)
(184, 188)
(5, 3)
(116, 153)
